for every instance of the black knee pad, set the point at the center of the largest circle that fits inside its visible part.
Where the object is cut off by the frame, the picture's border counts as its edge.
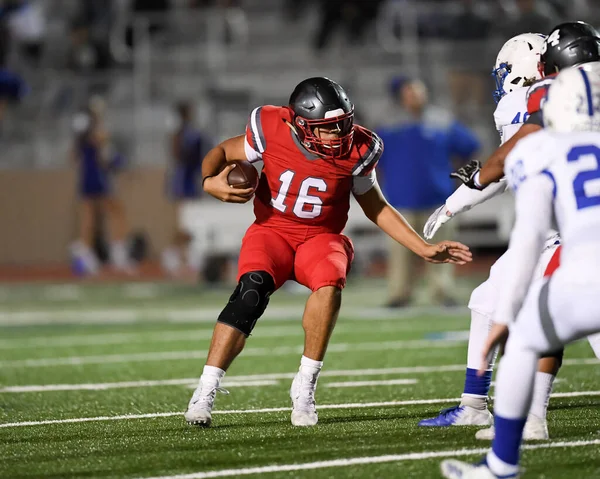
(558, 355)
(248, 302)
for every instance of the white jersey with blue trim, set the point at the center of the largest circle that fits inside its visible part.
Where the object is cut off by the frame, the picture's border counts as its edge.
(572, 162)
(511, 113)
(556, 180)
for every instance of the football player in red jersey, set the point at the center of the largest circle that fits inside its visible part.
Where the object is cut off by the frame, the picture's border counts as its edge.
(314, 157)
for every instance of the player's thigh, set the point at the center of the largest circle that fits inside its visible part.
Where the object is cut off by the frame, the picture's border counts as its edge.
(484, 297)
(263, 249)
(324, 260)
(555, 314)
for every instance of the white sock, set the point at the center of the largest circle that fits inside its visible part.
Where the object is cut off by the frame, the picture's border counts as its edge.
(515, 381)
(541, 394)
(595, 344)
(212, 375)
(478, 333)
(118, 254)
(476, 402)
(499, 467)
(310, 367)
(171, 261)
(195, 259)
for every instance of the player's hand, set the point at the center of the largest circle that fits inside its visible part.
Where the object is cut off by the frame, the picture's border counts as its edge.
(467, 173)
(218, 186)
(497, 338)
(436, 220)
(447, 252)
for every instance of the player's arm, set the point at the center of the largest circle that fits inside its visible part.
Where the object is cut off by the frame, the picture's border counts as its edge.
(215, 171)
(493, 169)
(380, 212)
(463, 199)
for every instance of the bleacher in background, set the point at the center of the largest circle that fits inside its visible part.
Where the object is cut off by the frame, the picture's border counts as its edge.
(229, 60)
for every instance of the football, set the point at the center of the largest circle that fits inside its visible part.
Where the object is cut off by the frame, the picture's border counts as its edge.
(244, 175)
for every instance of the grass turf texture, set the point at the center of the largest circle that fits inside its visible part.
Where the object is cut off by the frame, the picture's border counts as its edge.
(48, 354)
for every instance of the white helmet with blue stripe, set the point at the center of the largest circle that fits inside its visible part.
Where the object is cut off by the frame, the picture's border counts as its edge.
(517, 63)
(573, 100)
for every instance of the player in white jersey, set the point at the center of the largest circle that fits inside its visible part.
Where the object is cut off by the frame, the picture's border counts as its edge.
(554, 174)
(516, 68)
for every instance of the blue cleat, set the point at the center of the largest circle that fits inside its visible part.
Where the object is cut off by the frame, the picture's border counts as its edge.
(460, 416)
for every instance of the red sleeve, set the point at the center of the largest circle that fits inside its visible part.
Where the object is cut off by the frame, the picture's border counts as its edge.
(260, 122)
(536, 94)
(370, 149)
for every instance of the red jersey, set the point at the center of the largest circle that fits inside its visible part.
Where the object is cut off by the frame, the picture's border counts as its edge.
(537, 93)
(299, 192)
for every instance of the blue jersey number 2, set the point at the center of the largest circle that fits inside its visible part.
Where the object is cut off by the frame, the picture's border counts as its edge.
(583, 200)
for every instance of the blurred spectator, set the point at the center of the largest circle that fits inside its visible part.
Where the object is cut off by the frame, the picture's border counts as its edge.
(154, 11)
(415, 169)
(27, 23)
(90, 35)
(96, 164)
(12, 86)
(352, 15)
(534, 16)
(188, 146)
(468, 76)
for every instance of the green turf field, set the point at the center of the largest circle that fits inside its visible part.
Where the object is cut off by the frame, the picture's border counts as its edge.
(94, 380)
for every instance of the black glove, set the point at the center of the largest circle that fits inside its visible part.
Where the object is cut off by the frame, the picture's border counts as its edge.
(467, 173)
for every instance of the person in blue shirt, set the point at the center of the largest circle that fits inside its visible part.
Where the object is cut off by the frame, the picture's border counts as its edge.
(415, 168)
(187, 148)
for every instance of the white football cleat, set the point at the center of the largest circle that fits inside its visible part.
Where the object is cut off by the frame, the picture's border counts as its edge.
(199, 409)
(304, 408)
(536, 429)
(453, 469)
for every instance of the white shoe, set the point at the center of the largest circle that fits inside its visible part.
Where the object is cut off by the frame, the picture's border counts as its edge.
(86, 258)
(453, 469)
(199, 409)
(536, 429)
(304, 408)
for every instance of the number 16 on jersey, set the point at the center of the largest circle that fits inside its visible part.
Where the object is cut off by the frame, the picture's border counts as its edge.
(306, 206)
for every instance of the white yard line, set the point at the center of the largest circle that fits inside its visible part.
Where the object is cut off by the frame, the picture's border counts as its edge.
(133, 338)
(357, 461)
(199, 354)
(234, 411)
(259, 377)
(357, 384)
(197, 315)
(191, 382)
(410, 402)
(89, 338)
